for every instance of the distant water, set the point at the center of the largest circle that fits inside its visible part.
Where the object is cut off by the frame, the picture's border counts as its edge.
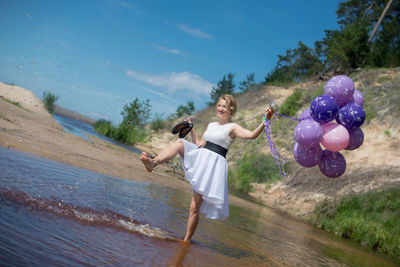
(84, 130)
(53, 214)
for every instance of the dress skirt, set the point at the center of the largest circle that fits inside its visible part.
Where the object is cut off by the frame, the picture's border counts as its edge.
(207, 173)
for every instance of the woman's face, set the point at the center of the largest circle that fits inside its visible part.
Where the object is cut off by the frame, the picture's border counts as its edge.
(223, 110)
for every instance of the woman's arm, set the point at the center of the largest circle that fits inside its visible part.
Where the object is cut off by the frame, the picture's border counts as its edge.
(239, 131)
(195, 140)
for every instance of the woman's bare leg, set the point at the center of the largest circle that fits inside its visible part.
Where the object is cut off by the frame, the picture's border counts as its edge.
(194, 216)
(166, 155)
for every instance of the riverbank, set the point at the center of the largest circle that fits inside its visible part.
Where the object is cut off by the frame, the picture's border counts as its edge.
(373, 168)
(26, 126)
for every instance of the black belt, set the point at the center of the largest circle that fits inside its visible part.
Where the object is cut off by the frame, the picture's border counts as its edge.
(216, 148)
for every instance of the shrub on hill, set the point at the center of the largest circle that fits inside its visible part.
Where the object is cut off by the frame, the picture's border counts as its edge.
(49, 99)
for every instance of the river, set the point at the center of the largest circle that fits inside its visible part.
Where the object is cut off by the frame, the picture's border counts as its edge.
(53, 214)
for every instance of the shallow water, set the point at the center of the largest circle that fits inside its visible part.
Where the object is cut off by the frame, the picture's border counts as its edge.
(86, 131)
(57, 214)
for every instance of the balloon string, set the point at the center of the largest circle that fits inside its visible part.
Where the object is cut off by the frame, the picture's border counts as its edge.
(279, 160)
(295, 119)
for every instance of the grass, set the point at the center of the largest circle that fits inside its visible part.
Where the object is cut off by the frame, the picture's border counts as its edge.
(370, 112)
(372, 219)
(291, 104)
(17, 104)
(253, 168)
(311, 94)
(3, 117)
(158, 123)
(383, 79)
(387, 132)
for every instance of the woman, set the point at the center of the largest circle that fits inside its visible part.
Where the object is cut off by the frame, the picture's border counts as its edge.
(205, 164)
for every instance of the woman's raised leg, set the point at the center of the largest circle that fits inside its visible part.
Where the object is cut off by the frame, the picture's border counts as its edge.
(166, 155)
(194, 216)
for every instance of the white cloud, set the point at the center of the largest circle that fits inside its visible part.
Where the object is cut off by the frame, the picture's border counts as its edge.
(171, 51)
(174, 81)
(194, 32)
(166, 98)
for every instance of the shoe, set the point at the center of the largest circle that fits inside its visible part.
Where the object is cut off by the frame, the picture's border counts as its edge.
(184, 131)
(177, 128)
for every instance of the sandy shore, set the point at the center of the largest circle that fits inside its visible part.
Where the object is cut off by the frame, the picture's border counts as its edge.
(30, 128)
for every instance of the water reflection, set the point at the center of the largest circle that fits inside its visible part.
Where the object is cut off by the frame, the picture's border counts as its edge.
(180, 255)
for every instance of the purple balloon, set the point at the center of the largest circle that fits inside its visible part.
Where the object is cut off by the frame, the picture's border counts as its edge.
(341, 88)
(323, 108)
(356, 139)
(308, 133)
(351, 116)
(305, 114)
(307, 157)
(332, 164)
(358, 98)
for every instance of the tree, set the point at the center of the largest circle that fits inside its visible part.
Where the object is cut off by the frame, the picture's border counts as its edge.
(249, 84)
(381, 21)
(224, 86)
(49, 99)
(136, 114)
(297, 64)
(185, 110)
(369, 35)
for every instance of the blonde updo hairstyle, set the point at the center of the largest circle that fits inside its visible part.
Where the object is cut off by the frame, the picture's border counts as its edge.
(230, 102)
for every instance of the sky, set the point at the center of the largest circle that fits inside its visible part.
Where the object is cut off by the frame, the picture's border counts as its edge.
(99, 55)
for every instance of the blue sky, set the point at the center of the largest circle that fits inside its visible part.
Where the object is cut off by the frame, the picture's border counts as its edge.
(98, 56)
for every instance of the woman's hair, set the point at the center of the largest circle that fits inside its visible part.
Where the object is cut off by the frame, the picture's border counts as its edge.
(230, 102)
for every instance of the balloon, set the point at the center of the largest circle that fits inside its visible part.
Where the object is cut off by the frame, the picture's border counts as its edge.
(358, 98)
(308, 133)
(305, 114)
(341, 88)
(307, 157)
(334, 137)
(323, 108)
(351, 116)
(356, 139)
(332, 164)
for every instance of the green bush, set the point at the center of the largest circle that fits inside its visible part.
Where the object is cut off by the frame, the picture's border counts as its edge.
(105, 128)
(292, 104)
(157, 123)
(370, 113)
(373, 219)
(124, 133)
(49, 100)
(253, 168)
(309, 95)
(131, 130)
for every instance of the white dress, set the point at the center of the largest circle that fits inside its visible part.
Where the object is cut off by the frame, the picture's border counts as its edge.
(207, 171)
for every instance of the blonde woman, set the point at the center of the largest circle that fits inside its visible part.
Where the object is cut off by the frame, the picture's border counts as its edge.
(205, 165)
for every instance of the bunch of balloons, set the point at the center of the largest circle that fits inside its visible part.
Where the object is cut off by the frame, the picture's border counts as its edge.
(344, 104)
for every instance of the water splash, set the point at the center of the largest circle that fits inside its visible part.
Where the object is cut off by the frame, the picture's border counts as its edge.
(84, 215)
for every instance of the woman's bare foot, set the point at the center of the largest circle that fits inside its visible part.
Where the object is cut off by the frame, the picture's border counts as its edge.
(147, 162)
